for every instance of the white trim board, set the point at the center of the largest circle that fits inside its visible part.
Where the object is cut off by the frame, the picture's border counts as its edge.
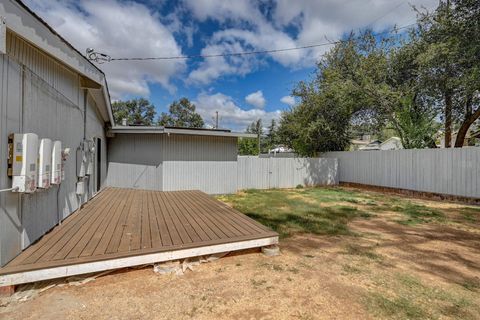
(98, 266)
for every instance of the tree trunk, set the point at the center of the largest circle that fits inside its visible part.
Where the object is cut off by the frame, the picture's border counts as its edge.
(448, 119)
(464, 128)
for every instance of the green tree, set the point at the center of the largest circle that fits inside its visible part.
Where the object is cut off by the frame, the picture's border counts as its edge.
(249, 146)
(364, 82)
(139, 112)
(271, 139)
(181, 114)
(417, 125)
(450, 62)
(335, 98)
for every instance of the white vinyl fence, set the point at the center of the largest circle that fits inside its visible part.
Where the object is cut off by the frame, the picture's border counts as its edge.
(267, 173)
(454, 171)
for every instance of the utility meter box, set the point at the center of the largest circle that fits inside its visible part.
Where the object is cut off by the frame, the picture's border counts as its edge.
(89, 167)
(56, 162)
(23, 155)
(44, 163)
(80, 190)
(81, 164)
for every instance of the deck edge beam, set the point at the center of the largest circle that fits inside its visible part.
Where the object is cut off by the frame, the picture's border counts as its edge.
(118, 263)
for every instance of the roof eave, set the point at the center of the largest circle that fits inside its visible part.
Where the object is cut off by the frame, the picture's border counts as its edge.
(162, 130)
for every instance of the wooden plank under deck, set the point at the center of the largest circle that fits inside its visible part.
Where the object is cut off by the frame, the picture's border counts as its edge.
(125, 224)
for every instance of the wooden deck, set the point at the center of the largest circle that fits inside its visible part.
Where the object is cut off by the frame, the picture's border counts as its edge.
(126, 227)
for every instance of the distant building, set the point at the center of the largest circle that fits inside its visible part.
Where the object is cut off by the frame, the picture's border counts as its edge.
(393, 143)
(280, 149)
(373, 145)
(362, 141)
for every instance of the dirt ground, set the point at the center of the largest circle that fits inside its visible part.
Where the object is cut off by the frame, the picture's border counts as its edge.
(385, 270)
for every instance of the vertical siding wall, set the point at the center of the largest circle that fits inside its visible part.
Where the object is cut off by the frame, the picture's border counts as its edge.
(52, 108)
(200, 163)
(266, 173)
(445, 171)
(135, 161)
(174, 162)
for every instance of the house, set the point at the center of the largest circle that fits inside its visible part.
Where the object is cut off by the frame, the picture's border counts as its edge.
(98, 189)
(393, 143)
(359, 142)
(372, 145)
(52, 90)
(356, 144)
(170, 159)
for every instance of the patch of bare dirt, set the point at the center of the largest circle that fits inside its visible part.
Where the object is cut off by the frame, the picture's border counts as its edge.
(296, 284)
(433, 251)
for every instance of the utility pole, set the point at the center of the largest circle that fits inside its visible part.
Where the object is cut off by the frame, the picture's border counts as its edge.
(216, 119)
(259, 129)
(258, 141)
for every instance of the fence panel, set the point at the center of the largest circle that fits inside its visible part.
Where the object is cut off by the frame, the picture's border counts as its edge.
(266, 173)
(451, 171)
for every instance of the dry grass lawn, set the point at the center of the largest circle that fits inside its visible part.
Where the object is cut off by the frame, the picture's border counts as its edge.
(346, 253)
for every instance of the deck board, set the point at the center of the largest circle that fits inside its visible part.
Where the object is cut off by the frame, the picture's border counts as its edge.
(155, 236)
(120, 223)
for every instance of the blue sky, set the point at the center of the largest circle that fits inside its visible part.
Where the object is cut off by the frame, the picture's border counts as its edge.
(241, 88)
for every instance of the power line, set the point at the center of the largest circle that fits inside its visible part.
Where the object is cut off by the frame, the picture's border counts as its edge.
(101, 58)
(385, 14)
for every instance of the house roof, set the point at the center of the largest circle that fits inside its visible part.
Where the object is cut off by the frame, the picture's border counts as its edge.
(359, 142)
(36, 31)
(182, 131)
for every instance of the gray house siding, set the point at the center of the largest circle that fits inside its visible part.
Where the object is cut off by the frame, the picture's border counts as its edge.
(135, 161)
(200, 163)
(40, 95)
(173, 162)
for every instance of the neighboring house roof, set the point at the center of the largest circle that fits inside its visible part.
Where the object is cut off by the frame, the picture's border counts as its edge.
(373, 145)
(359, 142)
(36, 31)
(174, 130)
(393, 143)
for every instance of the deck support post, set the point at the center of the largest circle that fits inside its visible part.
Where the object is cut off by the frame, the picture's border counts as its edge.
(7, 291)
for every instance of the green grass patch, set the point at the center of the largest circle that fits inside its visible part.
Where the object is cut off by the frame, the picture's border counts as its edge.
(299, 211)
(409, 298)
(417, 213)
(394, 308)
(327, 211)
(472, 284)
(470, 214)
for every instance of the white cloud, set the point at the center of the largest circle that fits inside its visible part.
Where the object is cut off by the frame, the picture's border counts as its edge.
(314, 21)
(120, 29)
(213, 68)
(230, 114)
(289, 100)
(222, 10)
(129, 29)
(256, 99)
